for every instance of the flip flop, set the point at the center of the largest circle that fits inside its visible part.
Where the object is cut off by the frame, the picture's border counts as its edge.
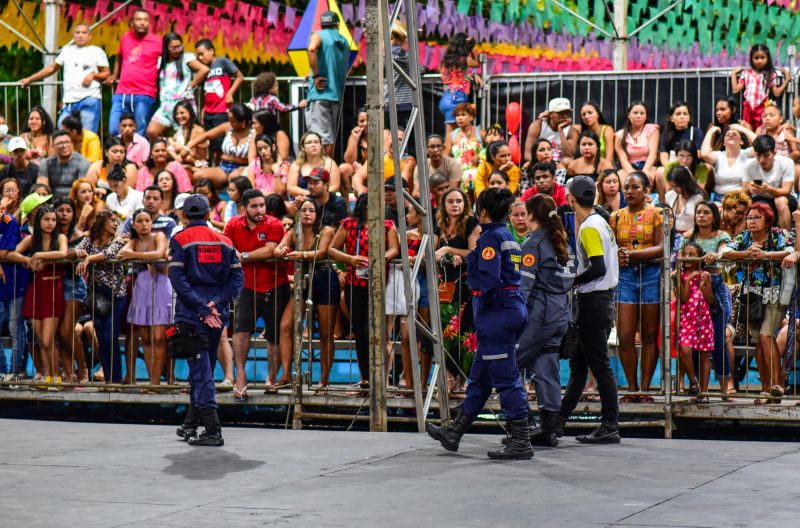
(240, 396)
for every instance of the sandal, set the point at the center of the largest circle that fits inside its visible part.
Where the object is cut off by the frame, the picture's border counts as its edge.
(694, 390)
(629, 399)
(282, 384)
(701, 400)
(240, 395)
(776, 391)
(646, 399)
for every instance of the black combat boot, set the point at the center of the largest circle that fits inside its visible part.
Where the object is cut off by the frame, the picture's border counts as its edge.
(190, 424)
(212, 435)
(519, 445)
(605, 434)
(544, 433)
(450, 435)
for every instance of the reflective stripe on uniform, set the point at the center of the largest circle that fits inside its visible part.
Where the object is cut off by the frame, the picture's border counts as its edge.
(175, 264)
(509, 245)
(205, 243)
(495, 356)
(527, 274)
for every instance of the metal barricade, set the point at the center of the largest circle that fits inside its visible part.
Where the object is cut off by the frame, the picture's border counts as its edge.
(753, 366)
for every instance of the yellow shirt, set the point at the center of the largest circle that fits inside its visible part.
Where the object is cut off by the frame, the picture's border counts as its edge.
(388, 167)
(91, 148)
(485, 171)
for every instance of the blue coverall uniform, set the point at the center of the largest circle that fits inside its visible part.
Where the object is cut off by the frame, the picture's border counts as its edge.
(500, 316)
(546, 283)
(204, 268)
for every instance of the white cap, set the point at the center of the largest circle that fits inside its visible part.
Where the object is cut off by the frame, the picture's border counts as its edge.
(559, 104)
(17, 143)
(180, 199)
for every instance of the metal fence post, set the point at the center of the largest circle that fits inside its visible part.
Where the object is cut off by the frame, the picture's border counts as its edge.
(666, 336)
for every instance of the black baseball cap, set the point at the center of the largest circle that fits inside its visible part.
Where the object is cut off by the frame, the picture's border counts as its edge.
(389, 184)
(582, 187)
(329, 19)
(196, 206)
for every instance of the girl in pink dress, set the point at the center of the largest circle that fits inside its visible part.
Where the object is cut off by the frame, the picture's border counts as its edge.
(697, 329)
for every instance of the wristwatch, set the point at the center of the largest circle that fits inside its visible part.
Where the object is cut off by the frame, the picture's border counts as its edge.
(244, 256)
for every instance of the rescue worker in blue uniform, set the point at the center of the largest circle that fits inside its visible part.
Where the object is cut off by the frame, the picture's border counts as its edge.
(206, 275)
(548, 273)
(500, 315)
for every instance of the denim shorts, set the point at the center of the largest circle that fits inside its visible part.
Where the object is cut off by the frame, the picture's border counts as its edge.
(74, 288)
(424, 300)
(448, 103)
(228, 167)
(639, 284)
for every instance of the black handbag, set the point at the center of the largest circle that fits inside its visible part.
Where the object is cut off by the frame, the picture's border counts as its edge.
(753, 305)
(184, 341)
(570, 342)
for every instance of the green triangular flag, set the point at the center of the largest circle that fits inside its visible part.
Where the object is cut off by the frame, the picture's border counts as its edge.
(496, 11)
(512, 11)
(463, 6)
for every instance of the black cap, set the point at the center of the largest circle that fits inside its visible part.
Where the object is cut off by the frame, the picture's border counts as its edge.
(329, 19)
(196, 206)
(582, 187)
(389, 184)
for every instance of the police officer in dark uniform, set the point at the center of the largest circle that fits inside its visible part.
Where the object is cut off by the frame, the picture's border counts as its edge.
(206, 275)
(500, 314)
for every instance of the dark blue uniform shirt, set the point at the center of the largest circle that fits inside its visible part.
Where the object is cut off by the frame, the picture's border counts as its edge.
(495, 261)
(204, 268)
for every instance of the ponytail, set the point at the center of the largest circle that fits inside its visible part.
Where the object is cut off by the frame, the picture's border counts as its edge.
(543, 209)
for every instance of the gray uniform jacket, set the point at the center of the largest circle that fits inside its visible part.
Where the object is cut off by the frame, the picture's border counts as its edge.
(546, 284)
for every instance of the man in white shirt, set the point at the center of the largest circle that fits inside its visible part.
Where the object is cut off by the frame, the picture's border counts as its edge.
(85, 67)
(769, 178)
(123, 200)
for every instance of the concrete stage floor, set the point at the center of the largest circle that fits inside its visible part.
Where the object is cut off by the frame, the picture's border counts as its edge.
(107, 475)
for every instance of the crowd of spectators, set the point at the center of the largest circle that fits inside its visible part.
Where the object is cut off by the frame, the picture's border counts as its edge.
(75, 211)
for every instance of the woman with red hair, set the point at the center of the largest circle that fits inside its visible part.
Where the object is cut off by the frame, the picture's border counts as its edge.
(763, 247)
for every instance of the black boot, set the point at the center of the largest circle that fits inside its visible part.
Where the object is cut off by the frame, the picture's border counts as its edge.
(450, 435)
(605, 434)
(212, 435)
(190, 424)
(519, 446)
(544, 434)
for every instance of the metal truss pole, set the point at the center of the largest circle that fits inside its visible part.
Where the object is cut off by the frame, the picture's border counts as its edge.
(416, 125)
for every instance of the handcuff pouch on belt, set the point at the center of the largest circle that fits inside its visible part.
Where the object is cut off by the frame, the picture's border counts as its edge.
(184, 341)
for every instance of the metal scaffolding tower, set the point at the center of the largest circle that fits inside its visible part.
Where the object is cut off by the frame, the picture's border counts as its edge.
(379, 23)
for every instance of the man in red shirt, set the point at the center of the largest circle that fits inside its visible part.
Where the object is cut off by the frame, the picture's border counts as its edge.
(136, 67)
(266, 287)
(544, 181)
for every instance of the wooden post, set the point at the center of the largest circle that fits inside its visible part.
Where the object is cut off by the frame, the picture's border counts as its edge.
(621, 41)
(52, 21)
(375, 217)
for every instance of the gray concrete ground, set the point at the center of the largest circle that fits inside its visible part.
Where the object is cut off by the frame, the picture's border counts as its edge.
(107, 475)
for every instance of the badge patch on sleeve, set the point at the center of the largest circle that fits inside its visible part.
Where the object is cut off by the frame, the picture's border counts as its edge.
(528, 260)
(209, 254)
(488, 253)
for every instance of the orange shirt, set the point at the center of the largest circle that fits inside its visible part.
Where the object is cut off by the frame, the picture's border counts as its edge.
(636, 230)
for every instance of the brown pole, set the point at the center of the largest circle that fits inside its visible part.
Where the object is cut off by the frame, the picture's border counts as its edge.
(375, 217)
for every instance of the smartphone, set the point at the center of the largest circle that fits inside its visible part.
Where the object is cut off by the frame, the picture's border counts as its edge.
(759, 182)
